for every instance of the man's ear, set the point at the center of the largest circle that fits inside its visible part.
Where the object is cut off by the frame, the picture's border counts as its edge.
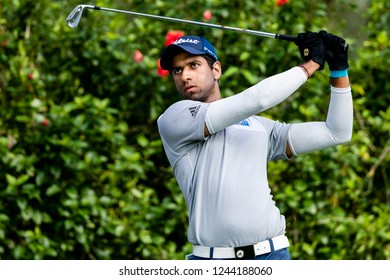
(217, 70)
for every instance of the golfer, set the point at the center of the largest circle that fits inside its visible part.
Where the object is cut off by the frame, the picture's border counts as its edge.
(219, 147)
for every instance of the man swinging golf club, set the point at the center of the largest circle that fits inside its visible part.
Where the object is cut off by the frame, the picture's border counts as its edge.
(219, 148)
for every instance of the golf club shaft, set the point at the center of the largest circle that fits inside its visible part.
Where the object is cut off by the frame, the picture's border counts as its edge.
(204, 24)
(78, 10)
(74, 18)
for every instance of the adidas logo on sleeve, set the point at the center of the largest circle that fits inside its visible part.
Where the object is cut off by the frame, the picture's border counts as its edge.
(194, 110)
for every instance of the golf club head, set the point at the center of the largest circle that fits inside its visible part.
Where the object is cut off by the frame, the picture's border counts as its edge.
(74, 17)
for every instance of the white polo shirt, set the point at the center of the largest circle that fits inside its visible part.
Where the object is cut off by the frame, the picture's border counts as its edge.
(224, 176)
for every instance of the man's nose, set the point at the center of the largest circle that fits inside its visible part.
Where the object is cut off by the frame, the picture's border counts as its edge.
(185, 76)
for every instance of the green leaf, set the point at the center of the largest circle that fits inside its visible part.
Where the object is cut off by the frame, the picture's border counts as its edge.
(11, 180)
(52, 190)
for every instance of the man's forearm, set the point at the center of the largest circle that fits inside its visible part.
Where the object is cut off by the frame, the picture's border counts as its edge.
(258, 98)
(310, 67)
(313, 136)
(342, 82)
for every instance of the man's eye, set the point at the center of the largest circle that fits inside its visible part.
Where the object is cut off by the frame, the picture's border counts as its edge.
(176, 71)
(194, 65)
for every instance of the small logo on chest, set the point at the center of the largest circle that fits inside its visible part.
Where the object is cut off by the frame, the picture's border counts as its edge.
(244, 123)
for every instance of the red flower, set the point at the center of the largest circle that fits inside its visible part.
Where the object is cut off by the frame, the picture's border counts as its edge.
(207, 14)
(45, 122)
(172, 36)
(161, 72)
(30, 76)
(280, 3)
(138, 56)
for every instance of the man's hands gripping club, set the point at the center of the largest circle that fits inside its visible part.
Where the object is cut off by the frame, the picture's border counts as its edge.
(322, 46)
(311, 47)
(336, 54)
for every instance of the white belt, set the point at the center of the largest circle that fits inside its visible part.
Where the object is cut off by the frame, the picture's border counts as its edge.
(244, 252)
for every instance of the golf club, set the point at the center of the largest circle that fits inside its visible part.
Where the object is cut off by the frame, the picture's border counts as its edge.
(74, 17)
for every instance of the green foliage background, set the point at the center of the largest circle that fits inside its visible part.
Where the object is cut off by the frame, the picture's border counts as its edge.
(82, 171)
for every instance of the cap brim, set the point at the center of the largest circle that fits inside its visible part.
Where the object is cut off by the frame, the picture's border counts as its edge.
(171, 51)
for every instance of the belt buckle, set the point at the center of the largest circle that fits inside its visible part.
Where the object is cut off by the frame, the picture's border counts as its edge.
(244, 252)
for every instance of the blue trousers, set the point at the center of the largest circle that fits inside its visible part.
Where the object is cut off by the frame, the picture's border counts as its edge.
(282, 254)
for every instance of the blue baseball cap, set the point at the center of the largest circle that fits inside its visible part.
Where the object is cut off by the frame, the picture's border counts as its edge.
(196, 45)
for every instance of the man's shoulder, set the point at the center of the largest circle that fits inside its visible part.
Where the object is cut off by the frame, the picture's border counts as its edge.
(263, 120)
(268, 124)
(177, 108)
(183, 104)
